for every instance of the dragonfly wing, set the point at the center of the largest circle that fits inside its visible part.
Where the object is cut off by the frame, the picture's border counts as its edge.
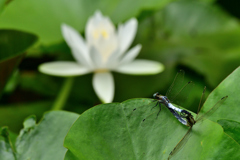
(180, 144)
(176, 84)
(213, 109)
(201, 100)
(179, 91)
(182, 95)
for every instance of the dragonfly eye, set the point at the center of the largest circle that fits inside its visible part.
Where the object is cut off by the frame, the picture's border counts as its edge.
(155, 95)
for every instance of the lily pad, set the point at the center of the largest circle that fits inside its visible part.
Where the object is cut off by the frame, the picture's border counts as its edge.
(196, 17)
(6, 147)
(45, 17)
(44, 140)
(115, 131)
(232, 128)
(12, 45)
(228, 87)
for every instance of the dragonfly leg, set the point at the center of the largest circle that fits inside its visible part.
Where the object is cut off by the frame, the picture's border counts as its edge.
(159, 109)
(156, 105)
(154, 100)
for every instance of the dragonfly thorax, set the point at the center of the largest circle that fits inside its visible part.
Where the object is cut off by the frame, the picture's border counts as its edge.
(161, 98)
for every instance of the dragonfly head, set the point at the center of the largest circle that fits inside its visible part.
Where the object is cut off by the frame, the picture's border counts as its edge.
(155, 95)
(161, 98)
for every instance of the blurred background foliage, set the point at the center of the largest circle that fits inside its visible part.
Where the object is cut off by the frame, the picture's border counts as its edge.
(201, 37)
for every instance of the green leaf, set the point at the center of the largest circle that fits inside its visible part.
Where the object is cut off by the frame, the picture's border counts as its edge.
(44, 140)
(6, 147)
(196, 35)
(2, 5)
(12, 44)
(214, 55)
(29, 122)
(232, 128)
(39, 141)
(115, 131)
(45, 17)
(228, 87)
(193, 17)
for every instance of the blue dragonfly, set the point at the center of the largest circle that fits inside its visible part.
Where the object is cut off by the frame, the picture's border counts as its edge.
(178, 87)
(191, 121)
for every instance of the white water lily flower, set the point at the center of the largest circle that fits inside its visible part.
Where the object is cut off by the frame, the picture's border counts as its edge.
(104, 50)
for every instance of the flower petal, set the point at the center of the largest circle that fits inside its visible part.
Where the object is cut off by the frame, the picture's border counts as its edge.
(96, 58)
(126, 34)
(81, 60)
(131, 54)
(141, 67)
(63, 69)
(100, 33)
(77, 45)
(103, 84)
(113, 60)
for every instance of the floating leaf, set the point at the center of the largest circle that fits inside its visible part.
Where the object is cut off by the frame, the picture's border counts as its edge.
(12, 45)
(44, 140)
(114, 131)
(31, 15)
(6, 147)
(228, 87)
(232, 128)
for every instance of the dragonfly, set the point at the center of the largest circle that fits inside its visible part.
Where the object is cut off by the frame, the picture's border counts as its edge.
(177, 112)
(178, 87)
(191, 121)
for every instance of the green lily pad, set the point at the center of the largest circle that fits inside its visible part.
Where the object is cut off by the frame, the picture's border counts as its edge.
(12, 45)
(199, 36)
(2, 5)
(214, 55)
(184, 17)
(115, 131)
(228, 87)
(45, 17)
(44, 140)
(6, 147)
(232, 128)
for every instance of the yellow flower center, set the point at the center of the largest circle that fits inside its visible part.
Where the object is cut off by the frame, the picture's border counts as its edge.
(105, 34)
(101, 70)
(100, 32)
